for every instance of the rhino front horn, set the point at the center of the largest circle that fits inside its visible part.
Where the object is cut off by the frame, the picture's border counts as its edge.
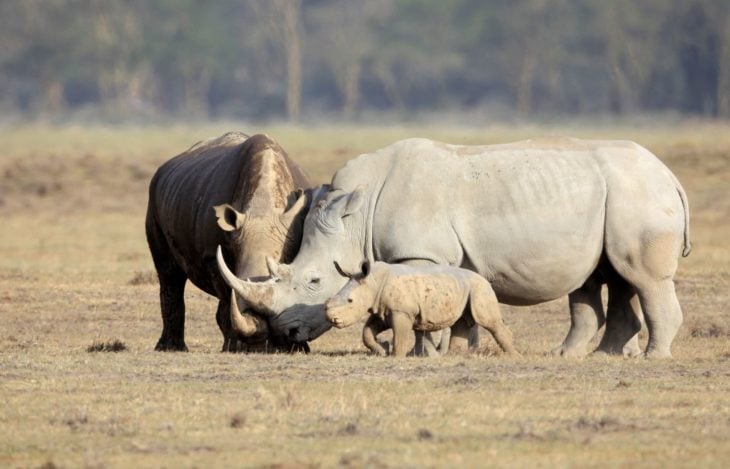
(257, 295)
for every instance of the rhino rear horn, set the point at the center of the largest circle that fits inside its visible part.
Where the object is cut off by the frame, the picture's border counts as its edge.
(246, 325)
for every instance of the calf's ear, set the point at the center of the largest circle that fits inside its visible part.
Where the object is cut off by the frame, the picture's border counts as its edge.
(229, 219)
(365, 268)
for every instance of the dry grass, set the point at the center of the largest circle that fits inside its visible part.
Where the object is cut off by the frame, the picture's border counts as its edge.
(74, 270)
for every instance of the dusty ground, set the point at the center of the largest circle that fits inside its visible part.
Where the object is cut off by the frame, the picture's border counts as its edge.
(75, 271)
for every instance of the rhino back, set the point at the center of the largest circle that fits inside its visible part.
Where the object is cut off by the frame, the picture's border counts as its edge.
(435, 295)
(529, 216)
(184, 190)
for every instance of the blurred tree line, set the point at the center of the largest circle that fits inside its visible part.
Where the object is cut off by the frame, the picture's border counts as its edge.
(284, 58)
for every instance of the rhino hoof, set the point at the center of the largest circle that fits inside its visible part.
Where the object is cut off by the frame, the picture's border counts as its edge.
(171, 346)
(657, 355)
(567, 352)
(299, 347)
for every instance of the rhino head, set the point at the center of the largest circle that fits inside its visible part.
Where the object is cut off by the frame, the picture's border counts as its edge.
(294, 295)
(253, 236)
(354, 300)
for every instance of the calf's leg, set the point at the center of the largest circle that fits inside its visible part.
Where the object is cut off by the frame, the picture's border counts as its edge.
(374, 326)
(485, 311)
(460, 331)
(402, 326)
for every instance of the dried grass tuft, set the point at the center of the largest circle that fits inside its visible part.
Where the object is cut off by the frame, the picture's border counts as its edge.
(115, 345)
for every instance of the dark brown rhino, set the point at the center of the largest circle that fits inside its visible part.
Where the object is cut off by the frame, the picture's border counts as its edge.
(241, 192)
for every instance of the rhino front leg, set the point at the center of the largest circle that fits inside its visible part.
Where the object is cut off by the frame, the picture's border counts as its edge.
(374, 326)
(172, 304)
(402, 326)
(223, 318)
(586, 317)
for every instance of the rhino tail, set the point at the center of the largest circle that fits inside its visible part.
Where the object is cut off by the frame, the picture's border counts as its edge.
(685, 205)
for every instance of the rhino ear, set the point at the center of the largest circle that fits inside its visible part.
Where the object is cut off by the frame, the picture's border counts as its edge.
(296, 209)
(355, 200)
(229, 219)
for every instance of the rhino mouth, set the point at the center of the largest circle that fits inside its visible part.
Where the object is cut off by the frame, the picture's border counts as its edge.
(340, 317)
(301, 323)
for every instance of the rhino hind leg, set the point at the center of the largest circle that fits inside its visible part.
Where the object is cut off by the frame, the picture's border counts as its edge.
(623, 320)
(649, 267)
(172, 303)
(468, 341)
(586, 317)
(663, 317)
(427, 344)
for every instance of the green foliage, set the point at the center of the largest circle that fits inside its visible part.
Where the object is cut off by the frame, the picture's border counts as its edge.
(234, 57)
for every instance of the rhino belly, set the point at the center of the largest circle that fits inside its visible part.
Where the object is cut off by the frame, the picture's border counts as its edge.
(535, 235)
(537, 258)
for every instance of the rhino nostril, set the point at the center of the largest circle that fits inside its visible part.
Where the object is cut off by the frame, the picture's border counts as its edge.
(349, 300)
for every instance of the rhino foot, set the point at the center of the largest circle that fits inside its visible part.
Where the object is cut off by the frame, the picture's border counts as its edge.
(382, 349)
(632, 349)
(568, 352)
(299, 347)
(656, 354)
(169, 345)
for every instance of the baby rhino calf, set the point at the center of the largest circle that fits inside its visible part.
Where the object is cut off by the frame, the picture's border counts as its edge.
(422, 298)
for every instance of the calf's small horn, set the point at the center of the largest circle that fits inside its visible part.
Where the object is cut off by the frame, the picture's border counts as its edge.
(340, 271)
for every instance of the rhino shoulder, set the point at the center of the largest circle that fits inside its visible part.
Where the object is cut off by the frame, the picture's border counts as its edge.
(373, 167)
(226, 140)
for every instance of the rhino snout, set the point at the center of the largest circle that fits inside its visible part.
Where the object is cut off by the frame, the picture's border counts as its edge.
(332, 315)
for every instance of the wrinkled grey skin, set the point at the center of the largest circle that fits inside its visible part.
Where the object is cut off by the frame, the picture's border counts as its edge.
(538, 219)
(234, 191)
(422, 298)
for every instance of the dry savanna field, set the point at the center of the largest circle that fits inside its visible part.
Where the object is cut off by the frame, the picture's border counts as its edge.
(77, 283)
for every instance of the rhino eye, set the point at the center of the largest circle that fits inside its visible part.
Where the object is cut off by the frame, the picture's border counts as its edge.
(349, 300)
(314, 281)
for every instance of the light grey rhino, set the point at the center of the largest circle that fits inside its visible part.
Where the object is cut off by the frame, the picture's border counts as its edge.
(240, 192)
(538, 219)
(422, 298)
